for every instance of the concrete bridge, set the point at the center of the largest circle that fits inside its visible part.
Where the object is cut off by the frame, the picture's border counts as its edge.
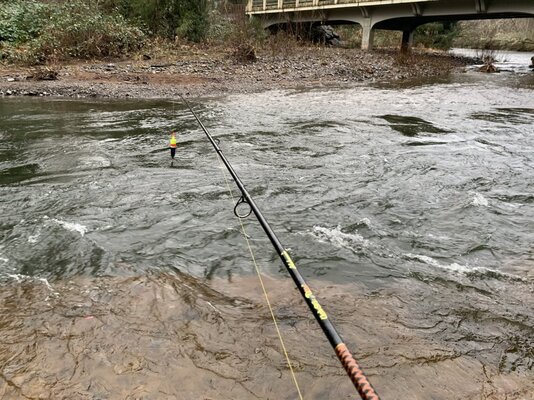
(401, 15)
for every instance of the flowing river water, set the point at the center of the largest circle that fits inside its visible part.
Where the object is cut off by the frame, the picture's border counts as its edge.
(409, 209)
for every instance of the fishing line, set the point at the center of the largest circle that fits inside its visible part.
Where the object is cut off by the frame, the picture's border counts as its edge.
(240, 217)
(358, 378)
(258, 273)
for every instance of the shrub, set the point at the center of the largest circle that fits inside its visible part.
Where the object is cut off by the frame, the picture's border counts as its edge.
(436, 35)
(80, 31)
(220, 27)
(73, 29)
(192, 27)
(21, 21)
(169, 18)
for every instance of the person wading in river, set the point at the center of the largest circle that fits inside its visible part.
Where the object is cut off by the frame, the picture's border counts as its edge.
(172, 145)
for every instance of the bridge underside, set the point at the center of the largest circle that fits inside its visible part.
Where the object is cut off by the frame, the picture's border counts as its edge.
(403, 17)
(410, 23)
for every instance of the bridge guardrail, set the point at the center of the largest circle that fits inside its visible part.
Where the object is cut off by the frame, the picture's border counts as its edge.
(270, 5)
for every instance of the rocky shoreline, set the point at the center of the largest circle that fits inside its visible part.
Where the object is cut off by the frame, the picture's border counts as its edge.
(209, 73)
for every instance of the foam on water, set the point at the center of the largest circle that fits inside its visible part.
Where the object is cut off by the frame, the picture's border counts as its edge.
(71, 226)
(339, 238)
(33, 238)
(463, 269)
(479, 200)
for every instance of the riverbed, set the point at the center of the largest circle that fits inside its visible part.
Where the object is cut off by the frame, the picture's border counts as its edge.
(407, 206)
(216, 72)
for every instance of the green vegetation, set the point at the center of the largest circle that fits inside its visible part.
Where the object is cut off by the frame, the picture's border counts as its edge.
(22, 21)
(168, 18)
(32, 32)
(35, 32)
(436, 35)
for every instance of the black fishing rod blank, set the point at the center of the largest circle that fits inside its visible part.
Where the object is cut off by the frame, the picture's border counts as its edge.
(360, 381)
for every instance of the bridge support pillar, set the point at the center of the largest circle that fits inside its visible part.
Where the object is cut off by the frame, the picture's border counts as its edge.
(407, 41)
(368, 34)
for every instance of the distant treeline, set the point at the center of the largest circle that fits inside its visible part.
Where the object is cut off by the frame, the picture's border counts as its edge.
(505, 34)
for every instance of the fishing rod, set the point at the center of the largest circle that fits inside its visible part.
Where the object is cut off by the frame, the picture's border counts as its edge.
(362, 385)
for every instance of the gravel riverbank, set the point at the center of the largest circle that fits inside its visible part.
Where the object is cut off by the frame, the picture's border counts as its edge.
(201, 73)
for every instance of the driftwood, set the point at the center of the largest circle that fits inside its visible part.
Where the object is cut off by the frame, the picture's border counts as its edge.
(43, 74)
(488, 66)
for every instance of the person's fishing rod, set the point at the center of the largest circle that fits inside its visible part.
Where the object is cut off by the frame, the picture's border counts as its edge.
(364, 387)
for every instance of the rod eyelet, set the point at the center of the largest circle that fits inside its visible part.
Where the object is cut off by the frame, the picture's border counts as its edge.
(242, 200)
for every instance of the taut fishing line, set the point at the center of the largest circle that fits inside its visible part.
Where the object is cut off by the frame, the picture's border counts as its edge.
(360, 381)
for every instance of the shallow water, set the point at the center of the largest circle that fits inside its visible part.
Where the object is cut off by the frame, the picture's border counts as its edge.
(409, 207)
(505, 60)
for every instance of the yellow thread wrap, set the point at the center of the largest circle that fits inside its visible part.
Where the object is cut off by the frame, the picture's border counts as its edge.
(315, 303)
(288, 259)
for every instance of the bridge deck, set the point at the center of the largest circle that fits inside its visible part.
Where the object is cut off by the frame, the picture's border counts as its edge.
(402, 15)
(270, 6)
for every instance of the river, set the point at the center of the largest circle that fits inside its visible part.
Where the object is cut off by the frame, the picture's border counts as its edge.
(408, 208)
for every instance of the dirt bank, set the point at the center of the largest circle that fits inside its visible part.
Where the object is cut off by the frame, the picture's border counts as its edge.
(203, 72)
